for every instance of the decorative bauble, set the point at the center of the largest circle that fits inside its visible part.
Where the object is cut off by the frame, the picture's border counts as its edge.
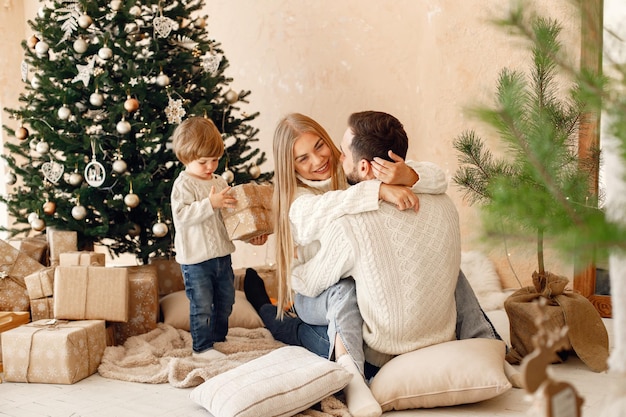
(21, 133)
(32, 217)
(35, 82)
(49, 207)
(10, 178)
(84, 21)
(199, 23)
(105, 53)
(79, 212)
(160, 229)
(131, 104)
(119, 166)
(38, 225)
(80, 46)
(135, 11)
(42, 147)
(64, 113)
(33, 144)
(254, 171)
(134, 230)
(163, 80)
(41, 47)
(228, 176)
(231, 96)
(122, 127)
(131, 200)
(116, 4)
(32, 41)
(75, 179)
(96, 99)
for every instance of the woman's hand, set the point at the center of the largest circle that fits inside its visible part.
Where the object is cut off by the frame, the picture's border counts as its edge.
(398, 172)
(399, 195)
(258, 240)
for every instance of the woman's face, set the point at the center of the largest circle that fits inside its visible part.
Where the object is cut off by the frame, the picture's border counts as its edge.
(312, 157)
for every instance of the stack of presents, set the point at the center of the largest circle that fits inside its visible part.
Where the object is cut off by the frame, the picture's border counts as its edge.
(60, 307)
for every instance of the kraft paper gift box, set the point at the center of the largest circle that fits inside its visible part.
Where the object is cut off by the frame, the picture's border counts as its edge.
(40, 284)
(143, 303)
(169, 274)
(34, 246)
(53, 351)
(252, 216)
(14, 266)
(60, 241)
(91, 293)
(82, 258)
(42, 308)
(10, 320)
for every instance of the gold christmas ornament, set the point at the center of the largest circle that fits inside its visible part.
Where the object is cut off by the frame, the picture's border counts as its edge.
(134, 230)
(75, 179)
(231, 96)
(21, 133)
(49, 207)
(32, 41)
(254, 171)
(131, 200)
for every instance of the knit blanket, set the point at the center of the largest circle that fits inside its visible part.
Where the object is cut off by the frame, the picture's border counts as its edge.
(163, 355)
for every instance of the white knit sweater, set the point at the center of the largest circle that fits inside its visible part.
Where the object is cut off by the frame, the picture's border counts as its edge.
(200, 231)
(405, 265)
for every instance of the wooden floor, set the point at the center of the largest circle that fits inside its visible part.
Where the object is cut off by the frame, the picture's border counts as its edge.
(99, 397)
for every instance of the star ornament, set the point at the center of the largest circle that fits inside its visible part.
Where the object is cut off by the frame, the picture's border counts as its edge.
(85, 71)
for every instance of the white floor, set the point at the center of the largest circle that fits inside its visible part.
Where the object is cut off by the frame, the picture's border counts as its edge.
(99, 397)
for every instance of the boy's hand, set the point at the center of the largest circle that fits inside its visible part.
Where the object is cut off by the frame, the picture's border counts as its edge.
(222, 199)
(398, 172)
(258, 240)
(399, 195)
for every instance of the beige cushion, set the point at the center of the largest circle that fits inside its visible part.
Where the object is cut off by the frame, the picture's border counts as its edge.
(281, 383)
(175, 309)
(451, 373)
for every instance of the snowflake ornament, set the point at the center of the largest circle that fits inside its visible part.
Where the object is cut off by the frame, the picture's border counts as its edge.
(175, 111)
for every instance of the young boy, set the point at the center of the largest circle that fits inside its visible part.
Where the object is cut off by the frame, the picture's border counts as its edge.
(201, 242)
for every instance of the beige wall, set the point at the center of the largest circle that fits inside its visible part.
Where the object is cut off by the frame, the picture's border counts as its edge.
(422, 61)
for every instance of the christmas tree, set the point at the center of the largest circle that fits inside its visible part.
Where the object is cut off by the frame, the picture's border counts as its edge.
(106, 83)
(540, 188)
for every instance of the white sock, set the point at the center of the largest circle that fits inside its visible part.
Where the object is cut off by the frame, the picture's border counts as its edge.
(361, 402)
(209, 354)
(514, 376)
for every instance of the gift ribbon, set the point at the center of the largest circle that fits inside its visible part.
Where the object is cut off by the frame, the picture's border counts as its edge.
(5, 273)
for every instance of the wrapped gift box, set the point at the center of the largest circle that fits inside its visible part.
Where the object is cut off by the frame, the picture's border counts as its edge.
(34, 246)
(82, 258)
(40, 284)
(91, 293)
(10, 320)
(42, 308)
(14, 266)
(60, 241)
(252, 216)
(143, 303)
(53, 351)
(169, 275)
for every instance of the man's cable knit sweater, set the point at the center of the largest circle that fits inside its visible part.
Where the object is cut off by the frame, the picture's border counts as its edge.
(405, 265)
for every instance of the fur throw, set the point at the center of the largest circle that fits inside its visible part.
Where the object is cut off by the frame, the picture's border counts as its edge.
(484, 279)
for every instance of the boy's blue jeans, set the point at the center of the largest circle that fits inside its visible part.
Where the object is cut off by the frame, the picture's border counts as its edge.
(210, 287)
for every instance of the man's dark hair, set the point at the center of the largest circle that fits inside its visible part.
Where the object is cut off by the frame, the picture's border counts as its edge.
(375, 133)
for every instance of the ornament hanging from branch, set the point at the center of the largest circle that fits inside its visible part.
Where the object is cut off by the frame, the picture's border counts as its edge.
(69, 15)
(94, 171)
(85, 71)
(210, 62)
(52, 171)
(175, 111)
(163, 26)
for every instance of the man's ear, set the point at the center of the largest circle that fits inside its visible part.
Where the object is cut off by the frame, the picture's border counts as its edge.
(364, 168)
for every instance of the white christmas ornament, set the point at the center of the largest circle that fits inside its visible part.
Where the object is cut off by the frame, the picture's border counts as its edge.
(24, 70)
(159, 229)
(122, 127)
(96, 99)
(80, 46)
(116, 4)
(119, 166)
(32, 217)
(163, 80)
(85, 71)
(64, 113)
(210, 63)
(163, 26)
(10, 178)
(135, 11)
(84, 21)
(79, 212)
(75, 179)
(228, 176)
(42, 147)
(41, 48)
(105, 53)
(52, 171)
(131, 200)
(38, 225)
(175, 111)
(35, 82)
(231, 96)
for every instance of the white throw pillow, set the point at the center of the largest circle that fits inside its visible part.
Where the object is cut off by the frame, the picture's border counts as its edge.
(481, 273)
(281, 383)
(450, 373)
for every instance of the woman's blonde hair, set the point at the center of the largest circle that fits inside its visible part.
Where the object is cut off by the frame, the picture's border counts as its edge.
(290, 128)
(197, 137)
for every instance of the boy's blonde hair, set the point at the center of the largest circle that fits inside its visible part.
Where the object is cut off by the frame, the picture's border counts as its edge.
(290, 128)
(197, 137)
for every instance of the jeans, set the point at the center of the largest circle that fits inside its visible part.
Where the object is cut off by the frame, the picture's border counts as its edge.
(210, 287)
(471, 320)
